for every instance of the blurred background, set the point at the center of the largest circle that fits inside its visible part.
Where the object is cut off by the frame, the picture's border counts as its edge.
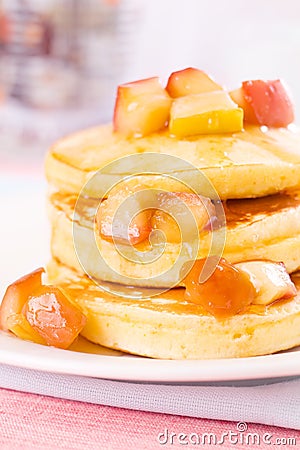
(60, 60)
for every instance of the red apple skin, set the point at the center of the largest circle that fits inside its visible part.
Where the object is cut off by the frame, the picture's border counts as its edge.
(269, 101)
(190, 81)
(238, 97)
(142, 107)
(17, 294)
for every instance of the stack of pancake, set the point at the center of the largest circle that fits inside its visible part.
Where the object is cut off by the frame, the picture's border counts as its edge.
(256, 174)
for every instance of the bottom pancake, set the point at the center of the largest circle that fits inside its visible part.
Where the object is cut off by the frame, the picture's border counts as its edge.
(168, 327)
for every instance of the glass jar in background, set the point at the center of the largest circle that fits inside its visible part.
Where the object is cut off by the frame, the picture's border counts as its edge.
(60, 62)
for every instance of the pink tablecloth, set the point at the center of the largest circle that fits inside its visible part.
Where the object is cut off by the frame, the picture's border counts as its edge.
(29, 421)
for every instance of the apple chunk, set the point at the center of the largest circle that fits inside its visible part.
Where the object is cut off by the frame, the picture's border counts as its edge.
(127, 227)
(239, 98)
(142, 107)
(16, 296)
(270, 279)
(212, 112)
(170, 207)
(228, 290)
(190, 81)
(20, 327)
(40, 313)
(265, 103)
(52, 315)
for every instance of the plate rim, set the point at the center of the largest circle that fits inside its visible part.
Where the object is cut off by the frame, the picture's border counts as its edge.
(28, 355)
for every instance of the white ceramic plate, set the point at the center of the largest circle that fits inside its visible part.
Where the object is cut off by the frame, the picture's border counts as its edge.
(23, 255)
(118, 366)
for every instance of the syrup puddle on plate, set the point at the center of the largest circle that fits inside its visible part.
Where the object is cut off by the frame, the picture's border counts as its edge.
(82, 345)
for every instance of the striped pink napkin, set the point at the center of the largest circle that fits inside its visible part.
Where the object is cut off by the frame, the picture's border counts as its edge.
(31, 422)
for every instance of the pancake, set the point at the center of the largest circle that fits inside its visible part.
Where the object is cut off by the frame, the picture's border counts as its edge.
(262, 228)
(168, 327)
(255, 172)
(267, 162)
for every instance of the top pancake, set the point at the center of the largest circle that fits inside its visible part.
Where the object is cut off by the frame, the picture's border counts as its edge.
(250, 163)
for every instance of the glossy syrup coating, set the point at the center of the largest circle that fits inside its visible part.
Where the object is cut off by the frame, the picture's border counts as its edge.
(228, 291)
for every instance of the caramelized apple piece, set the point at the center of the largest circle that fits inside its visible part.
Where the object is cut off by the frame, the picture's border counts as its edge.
(270, 279)
(53, 316)
(228, 291)
(190, 81)
(167, 225)
(265, 103)
(18, 325)
(39, 313)
(112, 227)
(17, 294)
(212, 112)
(201, 208)
(142, 108)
